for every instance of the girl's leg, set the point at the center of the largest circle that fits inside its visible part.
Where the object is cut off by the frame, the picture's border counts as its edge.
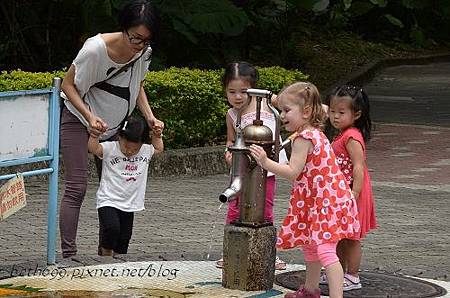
(99, 167)
(311, 287)
(126, 230)
(109, 221)
(233, 211)
(270, 193)
(312, 275)
(268, 214)
(342, 253)
(335, 275)
(313, 266)
(74, 138)
(353, 249)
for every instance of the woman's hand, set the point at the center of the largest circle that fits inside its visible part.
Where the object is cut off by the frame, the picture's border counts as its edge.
(157, 131)
(259, 154)
(155, 124)
(96, 126)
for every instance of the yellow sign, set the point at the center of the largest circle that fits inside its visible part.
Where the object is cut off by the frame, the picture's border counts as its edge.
(12, 197)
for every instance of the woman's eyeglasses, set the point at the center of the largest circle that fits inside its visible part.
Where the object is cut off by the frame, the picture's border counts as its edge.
(136, 40)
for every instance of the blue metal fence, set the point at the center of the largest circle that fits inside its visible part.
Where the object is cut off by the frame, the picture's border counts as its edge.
(51, 155)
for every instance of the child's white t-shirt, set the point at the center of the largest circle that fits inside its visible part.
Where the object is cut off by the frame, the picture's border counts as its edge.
(124, 179)
(93, 65)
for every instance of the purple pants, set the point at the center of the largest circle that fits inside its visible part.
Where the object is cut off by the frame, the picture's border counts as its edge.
(74, 138)
(233, 206)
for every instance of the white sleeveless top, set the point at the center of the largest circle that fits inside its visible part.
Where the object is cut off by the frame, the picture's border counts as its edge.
(268, 120)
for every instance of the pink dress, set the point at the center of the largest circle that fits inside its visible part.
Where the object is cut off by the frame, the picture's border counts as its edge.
(366, 206)
(321, 208)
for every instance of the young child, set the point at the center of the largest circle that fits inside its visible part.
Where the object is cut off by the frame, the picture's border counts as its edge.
(322, 209)
(123, 181)
(349, 113)
(237, 78)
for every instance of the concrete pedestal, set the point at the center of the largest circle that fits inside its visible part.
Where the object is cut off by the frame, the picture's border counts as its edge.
(249, 258)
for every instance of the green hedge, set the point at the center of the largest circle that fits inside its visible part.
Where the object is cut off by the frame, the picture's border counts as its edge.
(190, 101)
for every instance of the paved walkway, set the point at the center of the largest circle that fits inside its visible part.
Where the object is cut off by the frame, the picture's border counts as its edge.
(409, 161)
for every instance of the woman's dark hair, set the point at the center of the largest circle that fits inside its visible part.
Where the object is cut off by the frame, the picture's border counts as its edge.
(360, 103)
(135, 129)
(139, 12)
(240, 70)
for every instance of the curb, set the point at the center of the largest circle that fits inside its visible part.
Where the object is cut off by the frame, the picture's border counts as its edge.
(366, 73)
(201, 161)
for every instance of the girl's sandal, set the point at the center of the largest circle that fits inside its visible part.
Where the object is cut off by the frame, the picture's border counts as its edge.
(219, 264)
(280, 264)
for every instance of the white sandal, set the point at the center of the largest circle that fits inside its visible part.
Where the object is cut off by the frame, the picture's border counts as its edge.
(351, 283)
(323, 279)
(219, 263)
(280, 264)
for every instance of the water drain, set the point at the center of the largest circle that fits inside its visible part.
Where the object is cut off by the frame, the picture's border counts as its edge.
(375, 285)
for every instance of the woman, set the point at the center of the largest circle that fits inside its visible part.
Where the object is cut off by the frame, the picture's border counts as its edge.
(101, 88)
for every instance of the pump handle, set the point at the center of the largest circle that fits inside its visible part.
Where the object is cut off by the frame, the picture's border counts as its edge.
(259, 92)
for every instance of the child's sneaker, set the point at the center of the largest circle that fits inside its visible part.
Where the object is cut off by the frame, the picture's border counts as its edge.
(323, 279)
(280, 264)
(303, 293)
(351, 282)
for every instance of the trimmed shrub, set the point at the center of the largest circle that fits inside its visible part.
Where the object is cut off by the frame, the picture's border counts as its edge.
(191, 102)
(21, 80)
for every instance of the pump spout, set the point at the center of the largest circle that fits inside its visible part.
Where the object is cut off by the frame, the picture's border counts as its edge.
(233, 191)
(239, 169)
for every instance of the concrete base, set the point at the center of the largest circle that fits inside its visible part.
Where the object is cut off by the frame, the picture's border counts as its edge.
(249, 258)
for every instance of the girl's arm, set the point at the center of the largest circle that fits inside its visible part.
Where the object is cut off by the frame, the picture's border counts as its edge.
(96, 125)
(355, 150)
(290, 171)
(274, 100)
(95, 147)
(144, 107)
(157, 140)
(230, 138)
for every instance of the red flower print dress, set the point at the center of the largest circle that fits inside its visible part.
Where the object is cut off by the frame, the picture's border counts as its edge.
(321, 208)
(366, 205)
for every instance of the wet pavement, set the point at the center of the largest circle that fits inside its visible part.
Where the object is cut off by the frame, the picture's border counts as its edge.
(409, 161)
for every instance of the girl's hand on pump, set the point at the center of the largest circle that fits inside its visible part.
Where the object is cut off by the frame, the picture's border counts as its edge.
(259, 154)
(228, 157)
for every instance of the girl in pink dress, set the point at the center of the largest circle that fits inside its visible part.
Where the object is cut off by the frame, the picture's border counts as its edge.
(322, 209)
(349, 114)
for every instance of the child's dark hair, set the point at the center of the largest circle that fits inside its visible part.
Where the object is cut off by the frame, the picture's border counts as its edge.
(139, 12)
(240, 70)
(135, 129)
(360, 103)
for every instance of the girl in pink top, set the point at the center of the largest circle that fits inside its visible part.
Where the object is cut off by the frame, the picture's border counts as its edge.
(322, 209)
(236, 79)
(349, 114)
